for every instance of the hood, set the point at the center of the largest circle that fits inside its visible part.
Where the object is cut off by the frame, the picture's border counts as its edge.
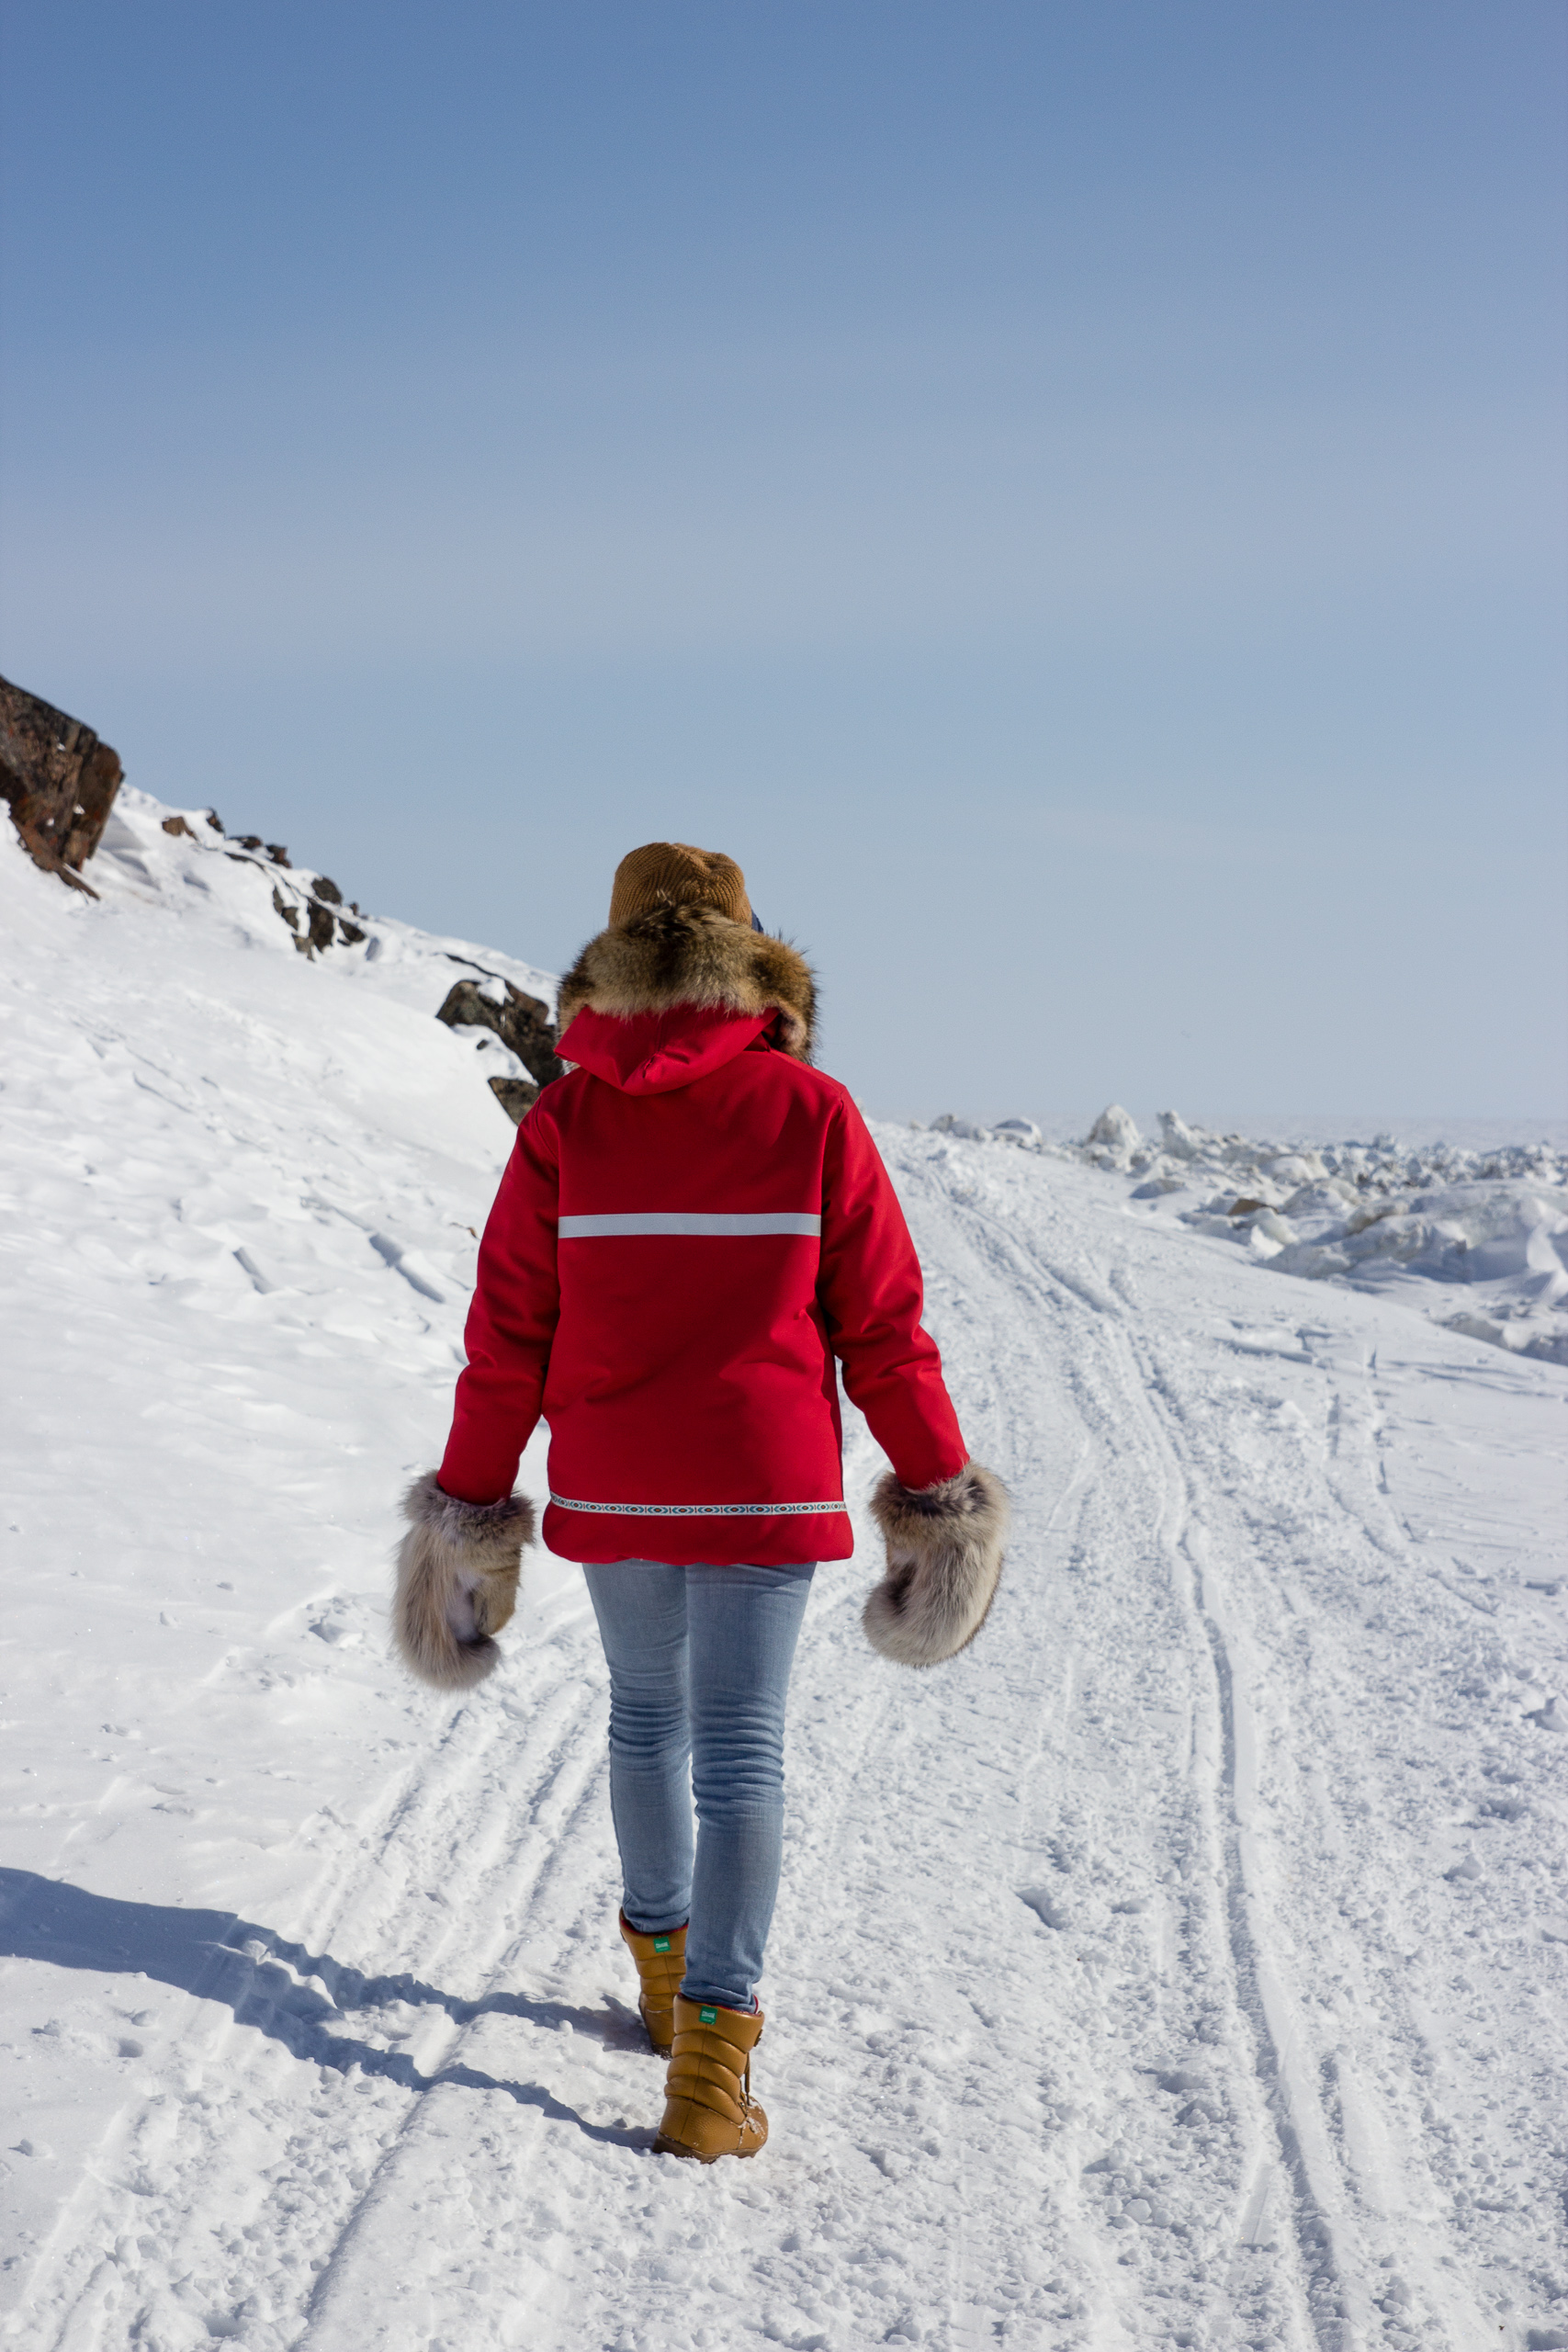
(694, 958)
(652, 1052)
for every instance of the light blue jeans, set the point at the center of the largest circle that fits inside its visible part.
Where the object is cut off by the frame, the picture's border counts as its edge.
(699, 1668)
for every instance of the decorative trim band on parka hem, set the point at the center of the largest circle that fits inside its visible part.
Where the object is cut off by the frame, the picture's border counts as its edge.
(698, 1511)
(682, 1223)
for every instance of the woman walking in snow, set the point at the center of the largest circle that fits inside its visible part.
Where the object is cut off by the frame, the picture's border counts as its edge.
(694, 1224)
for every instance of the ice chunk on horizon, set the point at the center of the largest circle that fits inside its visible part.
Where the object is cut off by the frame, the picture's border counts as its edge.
(1113, 1138)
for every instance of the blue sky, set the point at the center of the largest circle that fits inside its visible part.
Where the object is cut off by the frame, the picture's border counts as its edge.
(1071, 495)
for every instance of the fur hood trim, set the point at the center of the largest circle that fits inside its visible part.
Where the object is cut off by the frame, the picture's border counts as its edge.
(689, 954)
(458, 1571)
(946, 1546)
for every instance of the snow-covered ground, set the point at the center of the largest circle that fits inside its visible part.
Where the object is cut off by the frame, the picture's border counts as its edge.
(1188, 1965)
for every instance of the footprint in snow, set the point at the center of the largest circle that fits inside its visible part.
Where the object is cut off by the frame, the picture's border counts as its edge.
(1186, 2079)
(335, 1628)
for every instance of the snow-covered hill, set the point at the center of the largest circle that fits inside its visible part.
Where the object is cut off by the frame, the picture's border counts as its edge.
(1186, 1966)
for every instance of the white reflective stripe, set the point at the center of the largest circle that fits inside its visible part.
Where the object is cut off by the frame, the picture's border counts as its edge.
(683, 1221)
(697, 1511)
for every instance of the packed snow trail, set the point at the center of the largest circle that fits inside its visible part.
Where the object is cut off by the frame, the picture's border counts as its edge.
(1184, 1965)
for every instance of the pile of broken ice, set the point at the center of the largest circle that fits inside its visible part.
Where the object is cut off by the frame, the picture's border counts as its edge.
(1370, 1214)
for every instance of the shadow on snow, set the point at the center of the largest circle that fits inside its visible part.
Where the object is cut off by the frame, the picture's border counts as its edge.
(218, 1956)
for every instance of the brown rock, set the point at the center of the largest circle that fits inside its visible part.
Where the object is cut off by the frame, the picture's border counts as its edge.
(516, 1096)
(60, 781)
(520, 1022)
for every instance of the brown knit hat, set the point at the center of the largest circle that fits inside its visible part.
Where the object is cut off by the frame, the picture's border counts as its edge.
(663, 872)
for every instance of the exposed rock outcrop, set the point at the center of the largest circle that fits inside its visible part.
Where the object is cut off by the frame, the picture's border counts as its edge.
(523, 1026)
(311, 904)
(60, 781)
(515, 1095)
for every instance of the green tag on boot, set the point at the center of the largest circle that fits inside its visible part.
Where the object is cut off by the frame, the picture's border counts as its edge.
(708, 2016)
(661, 1943)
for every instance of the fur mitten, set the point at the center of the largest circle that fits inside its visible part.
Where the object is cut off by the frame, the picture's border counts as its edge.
(458, 1571)
(944, 1556)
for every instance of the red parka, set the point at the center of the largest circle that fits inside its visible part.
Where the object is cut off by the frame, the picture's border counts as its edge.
(693, 1226)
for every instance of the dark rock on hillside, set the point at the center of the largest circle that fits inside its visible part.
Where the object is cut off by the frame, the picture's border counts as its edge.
(516, 1096)
(323, 924)
(60, 781)
(523, 1024)
(312, 909)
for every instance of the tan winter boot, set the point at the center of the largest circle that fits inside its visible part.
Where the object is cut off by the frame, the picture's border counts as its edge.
(708, 2108)
(661, 1964)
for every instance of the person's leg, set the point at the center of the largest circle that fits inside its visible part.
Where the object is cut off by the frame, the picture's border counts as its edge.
(641, 1609)
(743, 1622)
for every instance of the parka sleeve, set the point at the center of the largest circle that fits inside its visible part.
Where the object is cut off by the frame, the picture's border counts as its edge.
(511, 1326)
(870, 1292)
